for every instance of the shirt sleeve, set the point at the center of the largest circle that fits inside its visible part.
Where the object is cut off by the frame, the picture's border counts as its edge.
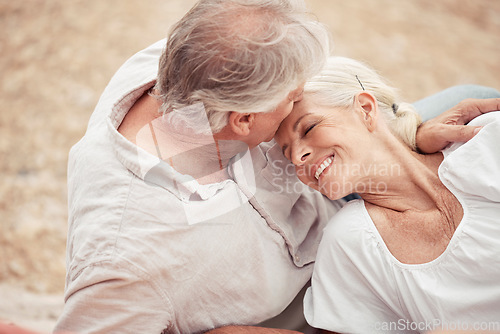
(351, 290)
(106, 299)
(474, 167)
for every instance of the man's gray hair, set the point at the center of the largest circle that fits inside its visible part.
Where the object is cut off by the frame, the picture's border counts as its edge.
(239, 55)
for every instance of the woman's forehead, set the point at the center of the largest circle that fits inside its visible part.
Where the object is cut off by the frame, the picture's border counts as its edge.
(286, 127)
(300, 108)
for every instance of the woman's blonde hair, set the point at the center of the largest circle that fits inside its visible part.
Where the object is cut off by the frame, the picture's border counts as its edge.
(342, 78)
(239, 55)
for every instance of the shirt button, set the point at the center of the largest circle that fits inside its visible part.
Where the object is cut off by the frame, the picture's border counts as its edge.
(297, 258)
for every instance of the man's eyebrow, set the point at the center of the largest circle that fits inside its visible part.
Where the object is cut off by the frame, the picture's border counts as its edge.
(296, 124)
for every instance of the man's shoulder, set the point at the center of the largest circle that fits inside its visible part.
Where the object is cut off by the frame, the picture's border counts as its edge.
(139, 70)
(146, 56)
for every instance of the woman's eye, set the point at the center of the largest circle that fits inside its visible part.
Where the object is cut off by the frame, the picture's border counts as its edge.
(309, 128)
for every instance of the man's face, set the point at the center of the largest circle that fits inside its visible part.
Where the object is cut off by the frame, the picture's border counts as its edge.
(266, 124)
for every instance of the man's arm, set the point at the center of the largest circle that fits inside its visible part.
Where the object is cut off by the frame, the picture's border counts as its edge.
(105, 298)
(435, 134)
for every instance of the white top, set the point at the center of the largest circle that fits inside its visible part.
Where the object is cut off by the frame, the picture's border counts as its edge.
(151, 250)
(359, 287)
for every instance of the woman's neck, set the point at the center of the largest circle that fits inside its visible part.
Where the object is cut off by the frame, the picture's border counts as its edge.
(413, 185)
(417, 215)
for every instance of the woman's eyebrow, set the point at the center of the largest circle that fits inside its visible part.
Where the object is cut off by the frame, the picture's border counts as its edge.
(296, 124)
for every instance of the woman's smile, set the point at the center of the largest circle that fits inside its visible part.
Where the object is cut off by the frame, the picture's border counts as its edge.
(326, 144)
(323, 166)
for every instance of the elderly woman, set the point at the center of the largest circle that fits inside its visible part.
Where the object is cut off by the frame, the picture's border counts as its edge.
(421, 248)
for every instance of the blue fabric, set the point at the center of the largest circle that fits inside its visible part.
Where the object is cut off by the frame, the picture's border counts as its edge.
(434, 105)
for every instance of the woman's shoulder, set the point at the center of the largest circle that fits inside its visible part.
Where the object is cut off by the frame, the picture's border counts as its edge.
(351, 211)
(349, 225)
(351, 246)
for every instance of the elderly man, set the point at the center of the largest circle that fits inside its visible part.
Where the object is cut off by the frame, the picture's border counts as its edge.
(181, 218)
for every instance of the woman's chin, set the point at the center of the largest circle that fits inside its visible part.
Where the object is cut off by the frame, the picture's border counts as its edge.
(335, 196)
(332, 190)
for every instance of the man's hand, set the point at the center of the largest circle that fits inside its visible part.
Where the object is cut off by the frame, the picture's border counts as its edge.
(437, 133)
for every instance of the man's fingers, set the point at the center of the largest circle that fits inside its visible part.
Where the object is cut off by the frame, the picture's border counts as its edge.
(476, 107)
(459, 133)
(437, 133)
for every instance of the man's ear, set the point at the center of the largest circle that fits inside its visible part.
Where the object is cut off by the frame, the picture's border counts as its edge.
(369, 107)
(241, 124)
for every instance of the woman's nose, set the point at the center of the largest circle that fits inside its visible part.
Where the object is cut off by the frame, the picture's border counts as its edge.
(300, 156)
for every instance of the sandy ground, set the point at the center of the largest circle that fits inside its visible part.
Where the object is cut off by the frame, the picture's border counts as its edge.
(58, 55)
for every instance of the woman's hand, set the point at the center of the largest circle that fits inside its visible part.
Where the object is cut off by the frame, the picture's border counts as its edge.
(437, 133)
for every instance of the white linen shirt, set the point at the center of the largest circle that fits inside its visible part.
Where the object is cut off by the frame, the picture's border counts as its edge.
(152, 251)
(358, 286)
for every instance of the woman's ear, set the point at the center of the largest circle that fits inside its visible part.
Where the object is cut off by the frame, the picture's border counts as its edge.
(369, 107)
(241, 124)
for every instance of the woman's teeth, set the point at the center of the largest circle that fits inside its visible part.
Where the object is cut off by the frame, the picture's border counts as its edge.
(324, 165)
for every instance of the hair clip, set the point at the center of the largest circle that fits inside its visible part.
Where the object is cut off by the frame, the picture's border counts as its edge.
(360, 82)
